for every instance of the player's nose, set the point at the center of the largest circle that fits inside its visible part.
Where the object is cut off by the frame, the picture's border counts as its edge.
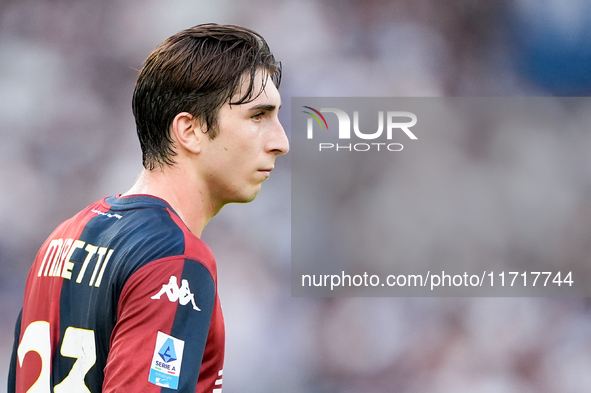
(278, 142)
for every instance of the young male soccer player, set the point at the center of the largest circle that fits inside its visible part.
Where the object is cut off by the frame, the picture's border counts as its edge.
(103, 308)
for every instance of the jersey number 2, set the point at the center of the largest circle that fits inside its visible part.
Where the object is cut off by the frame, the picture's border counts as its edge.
(77, 343)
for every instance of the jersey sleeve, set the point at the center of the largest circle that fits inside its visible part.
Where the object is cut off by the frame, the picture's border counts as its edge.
(163, 319)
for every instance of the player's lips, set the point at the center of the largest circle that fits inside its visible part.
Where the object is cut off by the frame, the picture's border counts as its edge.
(266, 172)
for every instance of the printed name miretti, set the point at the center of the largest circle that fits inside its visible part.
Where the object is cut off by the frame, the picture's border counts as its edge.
(393, 123)
(57, 261)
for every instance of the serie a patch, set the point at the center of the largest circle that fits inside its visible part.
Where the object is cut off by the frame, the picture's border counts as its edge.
(165, 369)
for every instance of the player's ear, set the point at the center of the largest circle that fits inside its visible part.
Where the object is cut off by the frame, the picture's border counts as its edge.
(187, 131)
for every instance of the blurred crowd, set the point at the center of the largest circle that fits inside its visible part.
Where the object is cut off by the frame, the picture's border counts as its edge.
(67, 71)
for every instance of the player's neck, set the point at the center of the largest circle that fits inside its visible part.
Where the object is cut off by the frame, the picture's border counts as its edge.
(188, 198)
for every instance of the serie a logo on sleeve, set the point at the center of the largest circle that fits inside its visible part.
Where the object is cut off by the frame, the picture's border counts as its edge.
(165, 369)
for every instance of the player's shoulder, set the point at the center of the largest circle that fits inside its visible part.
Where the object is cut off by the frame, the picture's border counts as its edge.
(148, 223)
(140, 230)
(140, 222)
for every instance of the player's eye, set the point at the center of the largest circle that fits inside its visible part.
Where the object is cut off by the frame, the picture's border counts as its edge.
(258, 116)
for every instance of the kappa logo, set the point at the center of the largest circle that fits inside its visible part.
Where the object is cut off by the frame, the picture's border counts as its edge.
(175, 293)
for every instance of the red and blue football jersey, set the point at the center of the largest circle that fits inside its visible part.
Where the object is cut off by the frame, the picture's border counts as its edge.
(121, 298)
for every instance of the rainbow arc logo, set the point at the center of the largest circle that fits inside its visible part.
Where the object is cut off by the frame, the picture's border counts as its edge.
(317, 112)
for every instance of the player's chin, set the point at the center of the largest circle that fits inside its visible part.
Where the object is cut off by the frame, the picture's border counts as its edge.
(248, 195)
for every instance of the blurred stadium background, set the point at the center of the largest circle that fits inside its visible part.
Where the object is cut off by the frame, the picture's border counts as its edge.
(67, 70)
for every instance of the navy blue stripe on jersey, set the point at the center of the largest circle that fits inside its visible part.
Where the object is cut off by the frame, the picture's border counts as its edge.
(13, 360)
(192, 326)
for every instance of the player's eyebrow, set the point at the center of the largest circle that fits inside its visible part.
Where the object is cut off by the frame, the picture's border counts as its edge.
(264, 107)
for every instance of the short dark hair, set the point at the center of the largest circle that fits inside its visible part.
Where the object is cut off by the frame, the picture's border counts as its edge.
(196, 71)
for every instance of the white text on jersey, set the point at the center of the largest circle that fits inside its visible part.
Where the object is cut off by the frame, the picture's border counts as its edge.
(57, 263)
